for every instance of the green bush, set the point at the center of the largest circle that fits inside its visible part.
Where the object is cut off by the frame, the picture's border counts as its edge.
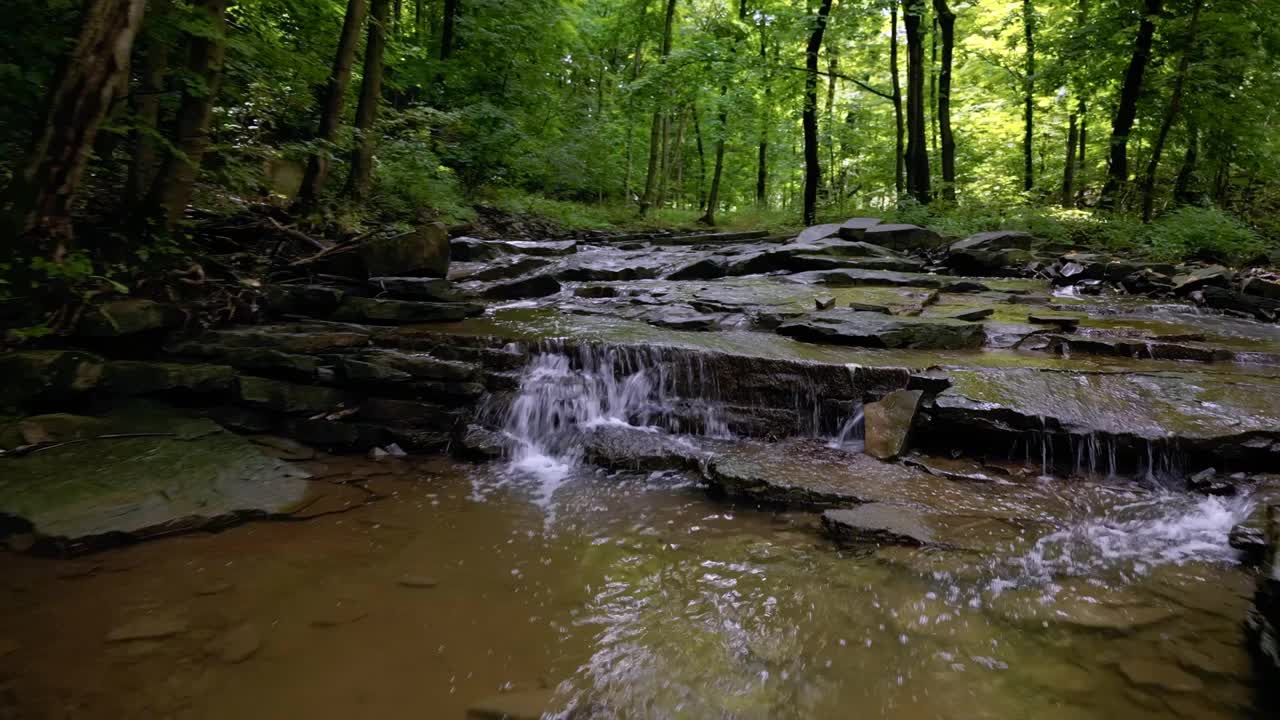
(1205, 233)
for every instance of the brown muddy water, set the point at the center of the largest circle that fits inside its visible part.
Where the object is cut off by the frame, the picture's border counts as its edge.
(631, 596)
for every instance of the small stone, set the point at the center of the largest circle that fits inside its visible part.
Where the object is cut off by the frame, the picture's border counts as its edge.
(151, 627)
(529, 705)
(1062, 322)
(237, 645)
(972, 315)
(377, 454)
(395, 450)
(340, 613)
(1149, 673)
(209, 587)
(417, 581)
(888, 423)
(824, 303)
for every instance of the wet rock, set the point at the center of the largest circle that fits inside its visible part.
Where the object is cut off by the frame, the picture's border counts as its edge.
(1207, 482)
(598, 291)
(1261, 288)
(128, 377)
(987, 262)
(704, 269)
(683, 318)
(1062, 322)
(55, 427)
(118, 318)
(1159, 675)
(41, 378)
(424, 366)
(512, 268)
(338, 613)
(1133, 348)
(542, 248)
(526, 705)
(290, 398)
(868, 307)
(149, 627)
(1262, 308)
(237, 644)
(425, 251)
(413, 288)
(1262, 627)
(606, 274)
(879, 523)
(1199, 278)
(533, 286)
(284, 448)
(301, 338)
(903, 237)
(994, 240)
(314, 300)
(971, 315)
(1147, 282)
(870, 278)
(395, 312)
(866, 329)
(359, 373)
(1089, 608)
(818, 232)
(625, 448)
(888, 423)
(481, 443)
(856, 228)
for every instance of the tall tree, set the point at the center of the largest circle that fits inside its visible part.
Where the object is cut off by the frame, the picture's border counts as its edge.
(917, 147)
(40, 196)
(361, 173)
(762, 150)
(899, 151)
(146, 109)
(335, 97)
(947, 24)
(1127, 108)
(809, 117)
(207, 51)
(1067, 198)
(1029, 93)
(656, 131)
(1170, 115)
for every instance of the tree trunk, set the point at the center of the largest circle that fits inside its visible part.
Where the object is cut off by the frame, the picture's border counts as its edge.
(146, 110)
(933, 86)
(655, 135)
(702, 160)
(1170, 115)
(947, 23)
(713, 197)
(1082, 110)
(1186, 189)
(917, 149)
(43, 190)
(177, 177)
(833, 69)
(762, 152)
(1069, 167)
(335, 96)
(448, 33)
(1127, 110)
(898, 151)
(678, 158)
(809, 118)
(664, 161)
(1029, 96)
(361, 175)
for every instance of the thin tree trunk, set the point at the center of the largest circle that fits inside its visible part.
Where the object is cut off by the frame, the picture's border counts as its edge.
(651, 178)
(146, 110)
(38, 202)
(396, 11)
(361, 176)
(1069, 167)
(664, 164)
(713, 198)
(176, 179)
(635, 73)
(809, 118)
(448, 32)
(899, 151)
(833, 68)
(1127, 110)
(678, 160)
(1185, 188)
(1082, 110)
(762, 152)
(947, 23)
(1029, 96)
(933, 86)
(702, 160)
(335, 96)
(917, 150)
(1171, 114)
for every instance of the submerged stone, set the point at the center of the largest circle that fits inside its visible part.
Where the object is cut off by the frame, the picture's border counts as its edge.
(879, 523)
(533, 286)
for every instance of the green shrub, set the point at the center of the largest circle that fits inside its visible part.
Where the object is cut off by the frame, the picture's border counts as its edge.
(1206, 233)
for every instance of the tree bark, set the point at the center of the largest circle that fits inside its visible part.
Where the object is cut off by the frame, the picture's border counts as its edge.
(899, 152)
(1127, 110)
(361, 176)
(833, 67)
(44, 186)
(650, 181)
(917, 148)
(1170, 115)
(1069, 167)
(176, 180)
(762, 151)
(1029, 97)
(947, 24)
(713, 197)
(335, 96)
(1186, 189)
(809, 118)
(146, 110)
(1082, 111)
(702, 160)
(448, 39)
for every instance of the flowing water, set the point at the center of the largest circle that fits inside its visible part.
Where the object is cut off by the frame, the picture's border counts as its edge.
(543, 579)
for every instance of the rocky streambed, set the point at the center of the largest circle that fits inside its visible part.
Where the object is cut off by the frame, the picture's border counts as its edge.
(1040, 464)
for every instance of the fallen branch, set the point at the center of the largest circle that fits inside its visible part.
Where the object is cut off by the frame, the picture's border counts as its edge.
(299, 235)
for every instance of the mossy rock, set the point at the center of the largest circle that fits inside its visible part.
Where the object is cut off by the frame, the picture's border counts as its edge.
(29, 380)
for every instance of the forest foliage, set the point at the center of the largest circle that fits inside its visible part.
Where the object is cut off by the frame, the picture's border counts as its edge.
(599, 112)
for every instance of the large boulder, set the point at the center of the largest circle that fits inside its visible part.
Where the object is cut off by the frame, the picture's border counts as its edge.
(1220, 298)
(414, 288)
(1199, 278)
(888, 423)
(422, 252)
(870, 329)
(533, 286)
(903, 237)
(856, 228)
(1263, 624)
(116, 318)
(994, 240)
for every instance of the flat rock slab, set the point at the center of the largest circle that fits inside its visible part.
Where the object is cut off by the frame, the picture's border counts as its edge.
(880, 523)
(402, 312)
(415, 288)
(1195, 406)
(872, 329)
(148, 627)
(144, 486)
